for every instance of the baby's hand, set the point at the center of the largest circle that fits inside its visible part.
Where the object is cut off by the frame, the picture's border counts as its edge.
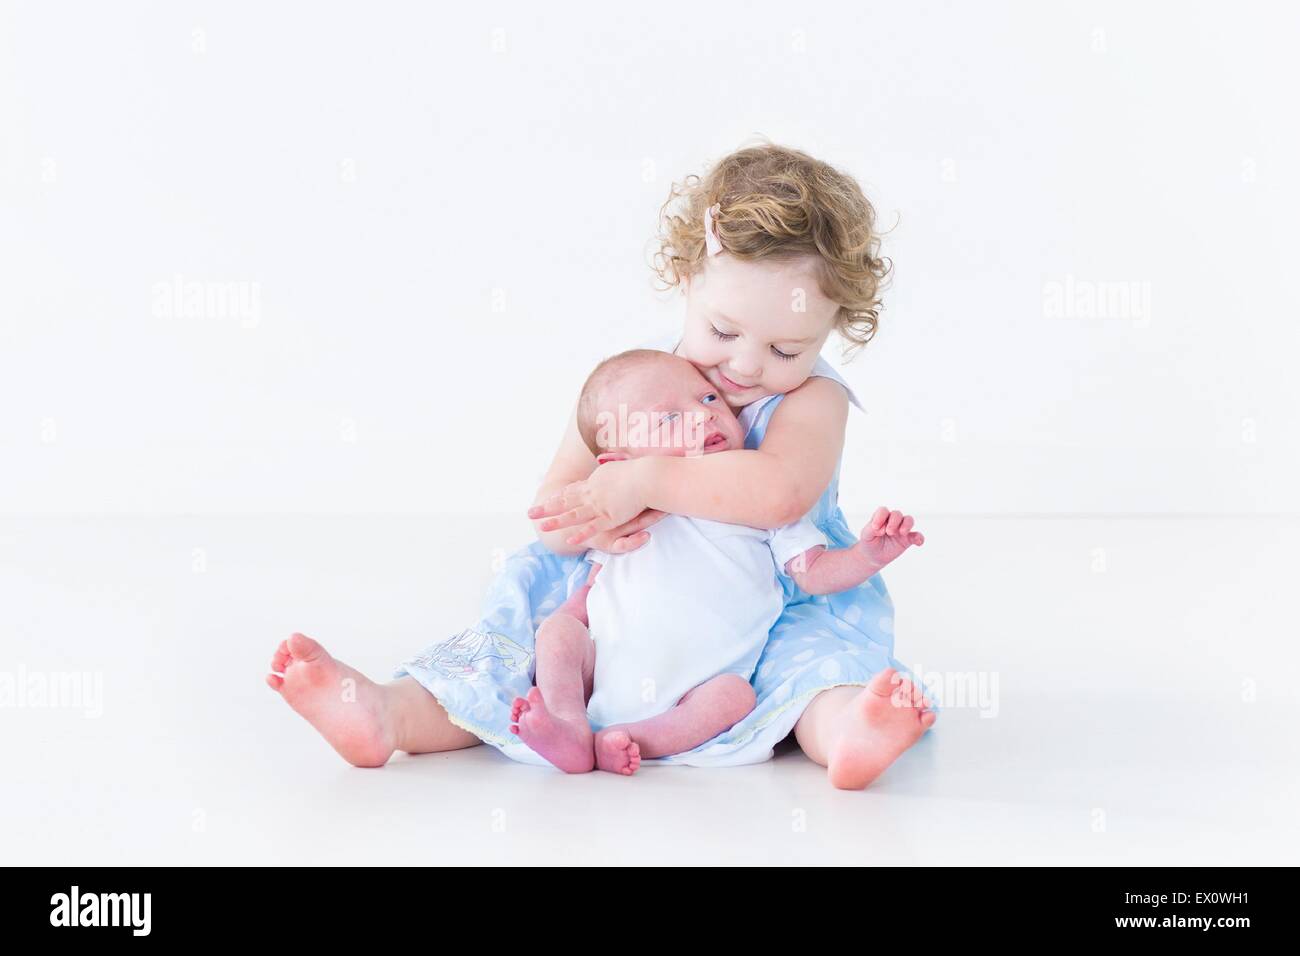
(887, 535)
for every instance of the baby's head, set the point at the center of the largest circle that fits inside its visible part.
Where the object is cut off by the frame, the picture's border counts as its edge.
(796, 257)
(645, 402)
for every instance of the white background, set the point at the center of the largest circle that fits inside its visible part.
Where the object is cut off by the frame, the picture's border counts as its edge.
(446, 211)
(379, 172)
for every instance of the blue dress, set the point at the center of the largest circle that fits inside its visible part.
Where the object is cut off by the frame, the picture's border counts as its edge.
(819, 642)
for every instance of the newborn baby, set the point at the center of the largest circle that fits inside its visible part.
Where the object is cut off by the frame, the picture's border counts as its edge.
(654, 656)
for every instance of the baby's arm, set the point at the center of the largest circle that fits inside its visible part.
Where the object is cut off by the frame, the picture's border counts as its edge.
(887, 535)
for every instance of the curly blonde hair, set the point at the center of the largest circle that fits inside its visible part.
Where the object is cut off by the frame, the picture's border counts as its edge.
(779, 203)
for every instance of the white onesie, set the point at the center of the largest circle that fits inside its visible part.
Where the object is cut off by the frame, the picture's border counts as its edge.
(697, 600)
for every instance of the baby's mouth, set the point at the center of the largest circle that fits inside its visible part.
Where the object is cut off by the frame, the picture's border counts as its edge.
(715, 442)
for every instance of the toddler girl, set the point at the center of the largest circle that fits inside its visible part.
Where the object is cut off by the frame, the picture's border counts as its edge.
(775, 251)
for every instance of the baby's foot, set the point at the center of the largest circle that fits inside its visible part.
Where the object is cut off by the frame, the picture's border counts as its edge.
(567, 744)
(617, 752)
(875, 727)
(343, 704)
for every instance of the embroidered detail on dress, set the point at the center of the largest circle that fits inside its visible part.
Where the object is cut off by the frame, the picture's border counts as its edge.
(469, 655)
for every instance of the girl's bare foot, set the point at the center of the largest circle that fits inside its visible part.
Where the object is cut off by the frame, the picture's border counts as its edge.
(345, 706)
(616, 752)
(567, 744)
(874, 728)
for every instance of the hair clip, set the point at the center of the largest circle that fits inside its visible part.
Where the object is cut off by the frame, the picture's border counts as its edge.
(711, 241)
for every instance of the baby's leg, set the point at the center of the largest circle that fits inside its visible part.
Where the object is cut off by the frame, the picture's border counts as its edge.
(552, 719)
(576, 605)
(364, 721)
(701, 714)
(857, 732)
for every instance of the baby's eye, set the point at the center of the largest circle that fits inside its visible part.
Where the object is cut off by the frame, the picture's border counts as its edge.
(722, 336)
(709, 399)
(667, 418)
(784, 356)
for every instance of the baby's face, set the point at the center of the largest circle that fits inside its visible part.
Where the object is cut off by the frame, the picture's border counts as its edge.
(666, 408)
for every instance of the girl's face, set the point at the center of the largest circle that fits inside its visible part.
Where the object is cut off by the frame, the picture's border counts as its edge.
(755, 328)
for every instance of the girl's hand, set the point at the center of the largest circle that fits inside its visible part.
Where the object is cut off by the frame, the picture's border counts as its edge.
(611, 497)
(887, 535)
(626, 537)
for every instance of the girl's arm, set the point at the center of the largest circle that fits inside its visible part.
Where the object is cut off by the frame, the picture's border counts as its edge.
(773, 485)
(573, 461)
(767, 487)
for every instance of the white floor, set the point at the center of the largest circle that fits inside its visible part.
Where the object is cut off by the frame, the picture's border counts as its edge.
(1144, 674)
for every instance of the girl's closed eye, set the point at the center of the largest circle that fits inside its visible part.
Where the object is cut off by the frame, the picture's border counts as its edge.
(728, 336)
